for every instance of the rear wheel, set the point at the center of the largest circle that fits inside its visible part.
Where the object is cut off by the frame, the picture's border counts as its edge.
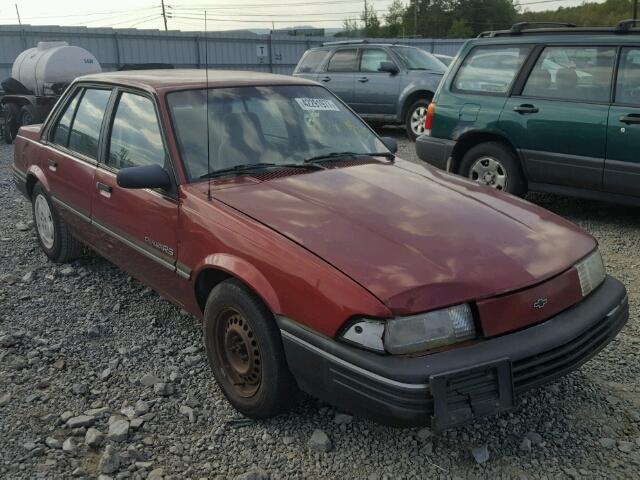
(245, 352)
(415, 118)
(495, 165)
(54, 235)
(11, 122)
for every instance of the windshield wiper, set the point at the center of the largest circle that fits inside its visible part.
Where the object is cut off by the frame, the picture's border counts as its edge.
(248, 167)
(332, 156)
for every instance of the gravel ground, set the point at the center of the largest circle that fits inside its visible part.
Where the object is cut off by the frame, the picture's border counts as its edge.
(98, 374)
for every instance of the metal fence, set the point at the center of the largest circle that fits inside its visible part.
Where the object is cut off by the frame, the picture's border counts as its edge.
(277, 53)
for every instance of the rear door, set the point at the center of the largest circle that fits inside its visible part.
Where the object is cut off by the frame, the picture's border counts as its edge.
(558, 118)
(71, 152)
(375, 92)
(622, 165)
(310, 64)
(340, 73)
(138, 226)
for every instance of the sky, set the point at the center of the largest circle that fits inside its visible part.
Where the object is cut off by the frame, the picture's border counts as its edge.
(188, 14)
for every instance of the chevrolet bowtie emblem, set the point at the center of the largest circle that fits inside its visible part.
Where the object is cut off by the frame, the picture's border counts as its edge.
(540, 303)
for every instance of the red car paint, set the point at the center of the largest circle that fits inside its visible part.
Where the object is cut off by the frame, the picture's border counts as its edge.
(376, 239)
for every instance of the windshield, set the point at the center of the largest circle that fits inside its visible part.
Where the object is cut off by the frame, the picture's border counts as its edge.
(417, 59)
(269, 125)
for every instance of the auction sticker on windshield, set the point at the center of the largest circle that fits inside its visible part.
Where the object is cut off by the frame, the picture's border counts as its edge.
(307, 103)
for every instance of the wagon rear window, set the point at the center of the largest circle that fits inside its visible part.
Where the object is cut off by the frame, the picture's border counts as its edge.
(490, 69)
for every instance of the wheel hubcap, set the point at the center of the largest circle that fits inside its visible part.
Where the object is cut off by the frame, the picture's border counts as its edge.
(239, 353)
(44, 221)
(418, 118)
(489, 171)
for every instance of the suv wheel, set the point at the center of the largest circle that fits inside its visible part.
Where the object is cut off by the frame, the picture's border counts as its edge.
(416, 115)
(245, 352)
(494, 165)
(53, 234)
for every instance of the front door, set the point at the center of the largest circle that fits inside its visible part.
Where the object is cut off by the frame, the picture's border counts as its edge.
(138, 226)
(340, 74)
(622, 165)
(71, 154)
(375, 92)
(559, 119)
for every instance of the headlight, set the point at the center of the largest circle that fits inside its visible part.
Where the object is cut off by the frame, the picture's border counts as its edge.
(416, 333)
(590, 272)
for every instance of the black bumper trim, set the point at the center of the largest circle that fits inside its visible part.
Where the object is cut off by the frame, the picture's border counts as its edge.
(435, 151)
(395, 390)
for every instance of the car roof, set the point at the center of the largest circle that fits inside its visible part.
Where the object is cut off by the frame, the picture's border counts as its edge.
(180, 79)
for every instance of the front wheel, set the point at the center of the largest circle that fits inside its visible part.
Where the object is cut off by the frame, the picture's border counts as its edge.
(245, 352)
(415, 118)
(495, 165)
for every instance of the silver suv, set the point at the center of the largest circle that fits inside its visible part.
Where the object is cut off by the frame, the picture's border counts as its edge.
(382, 82)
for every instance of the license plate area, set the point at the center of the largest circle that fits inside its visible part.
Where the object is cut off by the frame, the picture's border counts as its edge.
(462, 395)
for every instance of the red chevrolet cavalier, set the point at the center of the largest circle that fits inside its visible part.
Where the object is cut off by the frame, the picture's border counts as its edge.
(317, 259)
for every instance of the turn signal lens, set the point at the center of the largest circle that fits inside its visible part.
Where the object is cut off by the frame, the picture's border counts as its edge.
(590, 272)
(428, 121)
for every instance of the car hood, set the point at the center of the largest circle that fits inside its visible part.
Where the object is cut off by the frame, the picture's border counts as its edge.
(416, 237)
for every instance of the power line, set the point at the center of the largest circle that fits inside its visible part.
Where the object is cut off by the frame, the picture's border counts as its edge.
(86, 14)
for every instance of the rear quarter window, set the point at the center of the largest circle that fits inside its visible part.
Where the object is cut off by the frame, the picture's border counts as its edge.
(311, 61)
(490, 69)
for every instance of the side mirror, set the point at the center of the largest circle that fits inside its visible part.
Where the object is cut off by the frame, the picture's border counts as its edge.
(389, 67)
(390, 143)
(148, 176)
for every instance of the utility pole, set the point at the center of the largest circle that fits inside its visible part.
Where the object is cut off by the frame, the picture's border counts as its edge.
(635, 9)
(164, 15)
(415, 17)
(18, 13)
(366, 17)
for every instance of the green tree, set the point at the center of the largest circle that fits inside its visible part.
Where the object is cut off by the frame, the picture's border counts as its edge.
(371, 22)
(394, 20)
(460, 29)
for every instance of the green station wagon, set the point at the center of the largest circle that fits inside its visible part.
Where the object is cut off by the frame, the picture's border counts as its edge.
(542, 109)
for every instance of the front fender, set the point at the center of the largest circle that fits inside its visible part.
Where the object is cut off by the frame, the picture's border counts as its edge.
(244, 271)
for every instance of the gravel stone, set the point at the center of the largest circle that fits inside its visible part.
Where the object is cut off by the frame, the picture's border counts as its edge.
(69, 445)
(156, 474)
(81, 421)
(480, 454)
(163, 389)
(109, 461)
(342, 419)
(93, 437)
(52, 442)
(118, 430)
(320, 441)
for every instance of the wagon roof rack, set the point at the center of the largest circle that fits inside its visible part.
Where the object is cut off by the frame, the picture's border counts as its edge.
(552, 28)
(345, 42)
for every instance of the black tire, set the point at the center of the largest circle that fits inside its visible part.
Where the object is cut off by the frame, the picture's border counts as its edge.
(65, 247)
(514, 183)
(276, 391)
(28, 115)
(422, 103)
(11, 122)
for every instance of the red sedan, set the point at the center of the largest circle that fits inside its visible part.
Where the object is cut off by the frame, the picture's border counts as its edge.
(317, 259)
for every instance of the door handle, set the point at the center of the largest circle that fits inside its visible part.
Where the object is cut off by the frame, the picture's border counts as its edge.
(363, 79)
(325, 79)
(104, 189)
(631, 118)
(525, 109)
(53, 165)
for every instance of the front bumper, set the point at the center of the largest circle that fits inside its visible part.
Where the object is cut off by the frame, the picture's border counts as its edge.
(451, 388)
(435, 151)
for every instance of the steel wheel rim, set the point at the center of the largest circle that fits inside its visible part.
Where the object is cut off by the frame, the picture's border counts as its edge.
(489, 171)
(44, 222)
(239, 353)
(418, 118)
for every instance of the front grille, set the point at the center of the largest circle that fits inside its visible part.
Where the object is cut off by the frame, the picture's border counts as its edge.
(538, 369)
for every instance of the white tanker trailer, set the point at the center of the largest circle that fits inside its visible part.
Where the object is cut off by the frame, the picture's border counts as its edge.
(38, 78)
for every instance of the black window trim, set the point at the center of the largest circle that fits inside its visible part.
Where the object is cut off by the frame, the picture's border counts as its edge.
(61, 109)
(111, 111)
(349, 47)
(375, 47)
(517, 93)
(507, 93)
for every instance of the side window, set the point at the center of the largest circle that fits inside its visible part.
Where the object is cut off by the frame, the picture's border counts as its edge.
(135, 135)
(572, 73)
(85, 129)
(311, 61)
(628, 84)
(60, 132)
(344, 61)
(490, 69)
(372, 58)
